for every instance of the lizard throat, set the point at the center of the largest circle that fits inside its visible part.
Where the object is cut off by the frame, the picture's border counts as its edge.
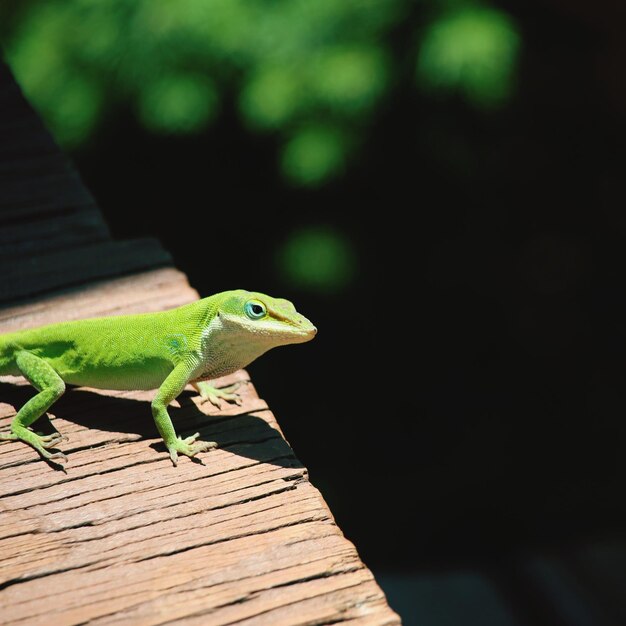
(225, 349)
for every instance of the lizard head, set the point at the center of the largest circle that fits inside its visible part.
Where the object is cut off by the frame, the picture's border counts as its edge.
(269, 321)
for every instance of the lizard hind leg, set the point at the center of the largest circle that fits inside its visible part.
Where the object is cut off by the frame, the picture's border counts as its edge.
(51, 387)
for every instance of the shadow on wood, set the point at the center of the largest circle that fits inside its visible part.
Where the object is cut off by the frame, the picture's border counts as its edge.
(121, 417)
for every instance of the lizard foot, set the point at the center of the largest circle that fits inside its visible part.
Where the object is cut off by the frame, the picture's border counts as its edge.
(41, 443)
(189, 447)
(212, 394)
(49, 441)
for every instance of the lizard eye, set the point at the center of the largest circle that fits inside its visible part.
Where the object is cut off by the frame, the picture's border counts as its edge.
(255, 310)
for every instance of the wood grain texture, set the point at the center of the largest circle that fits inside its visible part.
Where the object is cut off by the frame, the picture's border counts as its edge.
(77, 265)
(122, 537)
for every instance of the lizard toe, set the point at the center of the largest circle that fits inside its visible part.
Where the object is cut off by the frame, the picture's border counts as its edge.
(189, 446)
(57, 457)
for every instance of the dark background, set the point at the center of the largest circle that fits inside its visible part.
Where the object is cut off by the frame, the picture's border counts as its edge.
(463, 405)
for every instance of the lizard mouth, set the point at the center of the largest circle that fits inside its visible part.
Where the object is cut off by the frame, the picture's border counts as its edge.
(304, 334)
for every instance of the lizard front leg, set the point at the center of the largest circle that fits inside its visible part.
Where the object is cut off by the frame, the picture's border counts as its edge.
(212, 394)
(171, 387)
(51, 387)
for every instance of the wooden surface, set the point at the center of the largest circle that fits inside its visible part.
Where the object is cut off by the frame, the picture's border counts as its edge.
(121, 536)
(52, 234)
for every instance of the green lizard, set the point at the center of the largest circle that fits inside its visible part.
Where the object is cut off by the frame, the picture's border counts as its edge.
(166, 350)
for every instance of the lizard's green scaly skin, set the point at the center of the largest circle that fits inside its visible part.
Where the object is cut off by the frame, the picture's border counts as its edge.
(167, 350)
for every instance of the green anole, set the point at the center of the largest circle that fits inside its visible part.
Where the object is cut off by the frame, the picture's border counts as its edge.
(167, 350)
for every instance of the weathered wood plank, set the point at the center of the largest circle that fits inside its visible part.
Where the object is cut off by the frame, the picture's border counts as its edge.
(79, 264)
(52, 234)
(239, 536)
(160, 289)
(40, 237)
(37, 177)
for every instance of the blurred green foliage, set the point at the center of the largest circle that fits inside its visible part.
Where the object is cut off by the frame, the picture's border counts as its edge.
(317, 258)
(314, 153)
(472, 50)
(311, 71)
(178, 103)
